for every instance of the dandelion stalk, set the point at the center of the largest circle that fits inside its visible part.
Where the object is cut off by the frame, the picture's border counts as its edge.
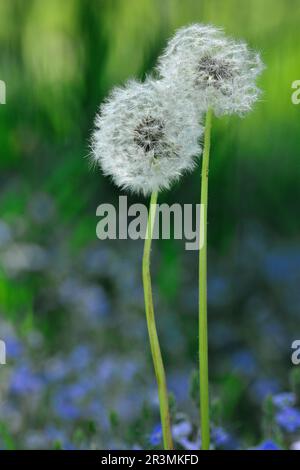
(153, 337)
(203, 343)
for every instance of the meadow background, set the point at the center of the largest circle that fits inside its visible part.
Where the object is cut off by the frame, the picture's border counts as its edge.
(79, 371)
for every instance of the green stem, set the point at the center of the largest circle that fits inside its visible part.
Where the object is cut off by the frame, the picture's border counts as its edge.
(154, 343)
(203, 343)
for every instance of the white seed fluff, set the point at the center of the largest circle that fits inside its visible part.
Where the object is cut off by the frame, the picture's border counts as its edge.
(144, 137)
(213, 71)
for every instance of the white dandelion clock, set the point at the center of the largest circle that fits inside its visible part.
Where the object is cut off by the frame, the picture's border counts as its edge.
(217, 75)
(212, 70)
(144, 138)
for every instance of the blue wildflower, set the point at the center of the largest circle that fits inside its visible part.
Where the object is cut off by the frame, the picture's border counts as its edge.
(189, 444)
(87, 299)
(54, 434)
(288, 419)
(68, 446)
(244, 362)
(284, 400)
(178, 384)
(24, 381)
(222, 439)
(57, 370)
(64, 408)
(14, 348)
(80, 357)
(106, 370)
(219, 436)
(267, 445)
(156, 435)
(264, 387)
(94, 302)
(79, 390)
(180, 429)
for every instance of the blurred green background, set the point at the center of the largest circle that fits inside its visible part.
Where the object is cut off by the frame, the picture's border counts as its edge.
(59, 60)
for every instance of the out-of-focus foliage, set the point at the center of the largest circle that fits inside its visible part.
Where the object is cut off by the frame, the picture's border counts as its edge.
(65, 296)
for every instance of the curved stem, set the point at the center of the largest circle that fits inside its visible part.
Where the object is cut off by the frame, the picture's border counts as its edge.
(154, 343)
(203, 342)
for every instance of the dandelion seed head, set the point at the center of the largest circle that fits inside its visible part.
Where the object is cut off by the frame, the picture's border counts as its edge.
(212, 70)
(145, 137)
(148, 133)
